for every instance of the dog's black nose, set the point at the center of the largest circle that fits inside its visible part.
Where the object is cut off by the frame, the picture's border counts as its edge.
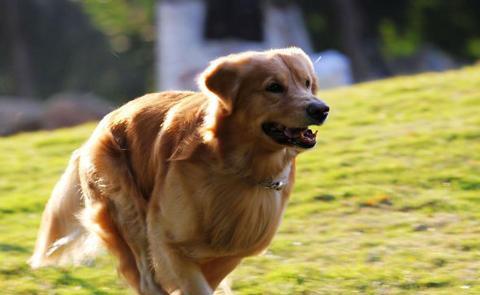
(318, 111)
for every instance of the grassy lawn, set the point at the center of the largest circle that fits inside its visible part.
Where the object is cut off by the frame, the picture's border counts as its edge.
(387, 203)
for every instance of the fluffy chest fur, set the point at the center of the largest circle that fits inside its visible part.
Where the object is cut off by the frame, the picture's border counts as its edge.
(233, 215)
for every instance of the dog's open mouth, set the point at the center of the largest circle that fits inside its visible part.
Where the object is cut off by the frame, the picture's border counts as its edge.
(301, 137)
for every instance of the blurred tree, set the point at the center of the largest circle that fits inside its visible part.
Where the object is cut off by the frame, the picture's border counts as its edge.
(69, 52)
(20, 59)
(350, 22)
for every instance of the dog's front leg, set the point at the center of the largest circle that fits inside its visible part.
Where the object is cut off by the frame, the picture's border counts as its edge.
(172, 269)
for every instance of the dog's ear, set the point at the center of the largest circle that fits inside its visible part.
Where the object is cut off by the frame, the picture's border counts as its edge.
(222, 79)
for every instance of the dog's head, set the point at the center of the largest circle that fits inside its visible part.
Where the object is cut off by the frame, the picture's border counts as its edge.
(269, 95)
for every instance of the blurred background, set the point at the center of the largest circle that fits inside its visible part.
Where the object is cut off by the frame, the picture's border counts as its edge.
(63, 62)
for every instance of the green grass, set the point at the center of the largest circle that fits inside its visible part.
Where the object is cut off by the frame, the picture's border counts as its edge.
(387, 203)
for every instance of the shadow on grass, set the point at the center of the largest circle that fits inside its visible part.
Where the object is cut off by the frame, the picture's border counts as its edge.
(68, 280)
(12, 248)
(14, 271)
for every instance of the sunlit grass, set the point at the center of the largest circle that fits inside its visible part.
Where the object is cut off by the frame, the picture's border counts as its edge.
(387, 203)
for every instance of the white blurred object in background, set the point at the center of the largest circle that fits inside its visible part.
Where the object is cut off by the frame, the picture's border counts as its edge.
(332, 68)
(183, 52)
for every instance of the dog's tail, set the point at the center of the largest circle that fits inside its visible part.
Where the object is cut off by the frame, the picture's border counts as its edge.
(61, 235)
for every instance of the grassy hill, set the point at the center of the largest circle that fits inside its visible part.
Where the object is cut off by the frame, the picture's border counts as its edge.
(387, 203)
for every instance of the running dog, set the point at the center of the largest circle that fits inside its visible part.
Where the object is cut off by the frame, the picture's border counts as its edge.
(180, 186)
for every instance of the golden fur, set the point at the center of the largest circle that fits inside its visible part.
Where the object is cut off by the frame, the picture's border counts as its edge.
(169, 182)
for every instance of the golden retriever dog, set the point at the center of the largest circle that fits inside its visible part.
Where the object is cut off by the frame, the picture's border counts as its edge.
(181, 186)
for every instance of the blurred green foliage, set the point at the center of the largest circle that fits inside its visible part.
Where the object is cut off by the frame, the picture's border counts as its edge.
(401, 27)
(451, 25)
(474, 47)
(395, 44)
(120, 19)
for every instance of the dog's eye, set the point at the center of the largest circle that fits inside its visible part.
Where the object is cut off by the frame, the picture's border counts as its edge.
(275, 88)
(307, 83)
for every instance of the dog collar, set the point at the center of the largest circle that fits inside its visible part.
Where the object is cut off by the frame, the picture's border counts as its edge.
(277, 185)
(280, 182)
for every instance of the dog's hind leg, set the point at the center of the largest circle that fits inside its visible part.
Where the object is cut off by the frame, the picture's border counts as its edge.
(96, 218)
(118, 223)
(116, 212)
